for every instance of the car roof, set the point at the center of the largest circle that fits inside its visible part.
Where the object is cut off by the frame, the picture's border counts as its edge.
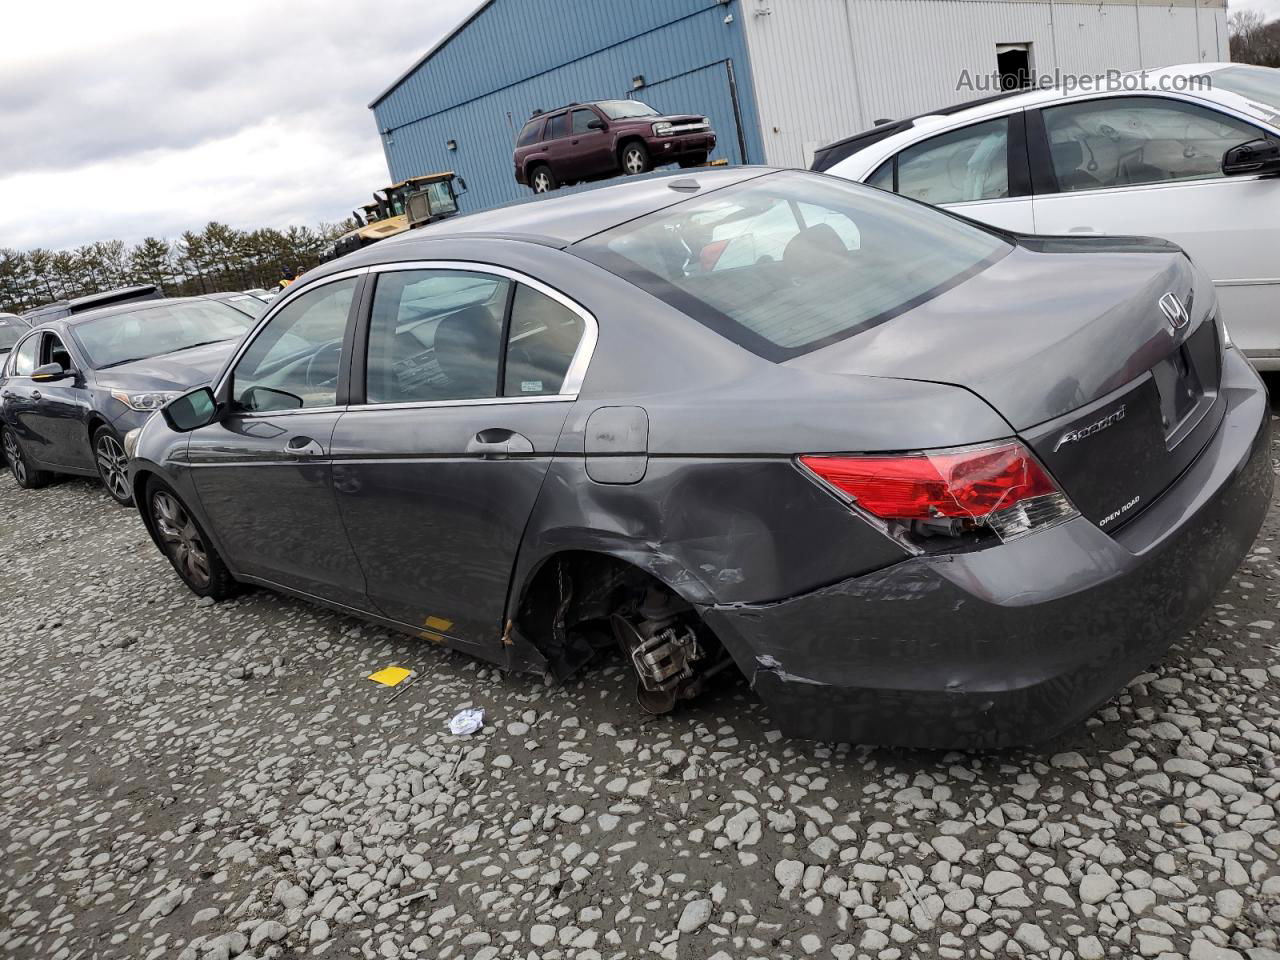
(567, 216)
(136, 306)
(1009, 102)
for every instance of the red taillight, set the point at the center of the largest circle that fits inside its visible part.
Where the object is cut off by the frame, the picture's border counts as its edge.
(1001, 487)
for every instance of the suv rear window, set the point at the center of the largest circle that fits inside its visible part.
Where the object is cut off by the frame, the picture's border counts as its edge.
(530, 133)
(787, 263)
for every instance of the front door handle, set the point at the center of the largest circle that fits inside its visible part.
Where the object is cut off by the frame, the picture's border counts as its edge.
(497, 443)
(303, 447)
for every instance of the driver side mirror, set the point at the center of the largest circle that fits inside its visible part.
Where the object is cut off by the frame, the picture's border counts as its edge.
(596, 124)
(1259, 157)
(191, 411)
(49, 373)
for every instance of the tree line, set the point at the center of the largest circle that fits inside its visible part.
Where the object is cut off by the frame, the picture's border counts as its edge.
(1254, 40)
(215, 259)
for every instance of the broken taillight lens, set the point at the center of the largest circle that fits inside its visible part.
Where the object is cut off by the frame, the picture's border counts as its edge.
(999, 489)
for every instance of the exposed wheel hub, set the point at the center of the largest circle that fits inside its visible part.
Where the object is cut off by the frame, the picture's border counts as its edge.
(662, 650)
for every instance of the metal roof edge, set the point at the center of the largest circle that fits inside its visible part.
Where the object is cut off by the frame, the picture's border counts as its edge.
(484, 5)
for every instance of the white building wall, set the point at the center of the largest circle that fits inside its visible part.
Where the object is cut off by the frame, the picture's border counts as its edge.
(823, 69)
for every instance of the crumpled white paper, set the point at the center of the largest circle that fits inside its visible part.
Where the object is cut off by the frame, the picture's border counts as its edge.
(467, 722)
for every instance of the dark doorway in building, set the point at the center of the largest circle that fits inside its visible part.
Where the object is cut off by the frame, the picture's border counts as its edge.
(1013, 60)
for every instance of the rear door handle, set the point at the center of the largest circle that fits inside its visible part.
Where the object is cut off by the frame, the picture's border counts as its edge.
(303, 447)
(498, 443)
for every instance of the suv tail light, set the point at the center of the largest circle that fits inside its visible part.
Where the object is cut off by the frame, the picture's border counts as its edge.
(963, 494)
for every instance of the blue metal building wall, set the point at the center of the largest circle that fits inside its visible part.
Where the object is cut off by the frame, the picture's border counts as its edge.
(516, 56)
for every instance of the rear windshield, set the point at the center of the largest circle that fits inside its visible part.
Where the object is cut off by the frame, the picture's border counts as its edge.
(121, 337)
(787, 263)
(1259, 84)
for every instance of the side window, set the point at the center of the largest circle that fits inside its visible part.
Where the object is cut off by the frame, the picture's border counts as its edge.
(293, 362)
(957, 167)
(558, 126)
(54, 351)
(24, 361)
(544, 337)
(746, 240)
(1126, 141)
(580, 120)
(883, 177)
(435, 335)
(530, 133)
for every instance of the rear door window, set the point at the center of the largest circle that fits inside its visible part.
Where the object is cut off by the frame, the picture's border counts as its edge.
(435, 335)
(810, 260)
(542, 343)
(558, 126)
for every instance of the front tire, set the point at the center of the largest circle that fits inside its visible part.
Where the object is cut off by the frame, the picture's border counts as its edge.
(542, 180)
(186, 545)
(635, 159)
(113, 465)
(25, 473)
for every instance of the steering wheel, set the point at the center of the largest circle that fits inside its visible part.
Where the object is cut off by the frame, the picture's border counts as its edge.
(316, 377)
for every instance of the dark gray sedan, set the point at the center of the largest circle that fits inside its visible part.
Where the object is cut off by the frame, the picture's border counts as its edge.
(922, 482)
(72, 388)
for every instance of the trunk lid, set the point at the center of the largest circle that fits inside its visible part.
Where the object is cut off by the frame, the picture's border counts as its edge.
(1067, 339)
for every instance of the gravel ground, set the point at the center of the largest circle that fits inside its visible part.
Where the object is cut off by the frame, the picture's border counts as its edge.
(210, 781)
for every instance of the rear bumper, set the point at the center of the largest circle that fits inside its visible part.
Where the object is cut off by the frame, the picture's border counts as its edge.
(1015, 643)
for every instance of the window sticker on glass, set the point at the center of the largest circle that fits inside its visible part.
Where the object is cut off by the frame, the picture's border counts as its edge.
(531, 386)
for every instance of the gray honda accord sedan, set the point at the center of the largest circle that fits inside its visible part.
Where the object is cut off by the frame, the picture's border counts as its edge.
(922, 482)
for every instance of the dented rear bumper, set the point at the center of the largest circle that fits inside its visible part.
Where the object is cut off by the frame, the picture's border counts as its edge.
(1015, 643)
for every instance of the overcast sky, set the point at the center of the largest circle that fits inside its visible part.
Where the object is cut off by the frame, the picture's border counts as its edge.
(137, 117)
(123, 119)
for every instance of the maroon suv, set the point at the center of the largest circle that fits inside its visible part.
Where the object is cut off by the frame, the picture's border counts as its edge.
(590, 141)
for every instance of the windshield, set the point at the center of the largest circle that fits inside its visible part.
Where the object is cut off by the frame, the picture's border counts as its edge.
(136, 335)
(1259, 84)
(247, 304)
(623, 109)
(790, 262)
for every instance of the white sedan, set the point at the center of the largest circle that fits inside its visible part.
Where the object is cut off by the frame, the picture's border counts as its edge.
(1195, 162)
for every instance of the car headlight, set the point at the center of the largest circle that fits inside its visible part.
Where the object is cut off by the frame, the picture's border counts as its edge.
(662, 129)
(131, 441)
(145, 402)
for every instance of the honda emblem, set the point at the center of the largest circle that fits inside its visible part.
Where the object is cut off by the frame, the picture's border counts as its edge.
(1174, 311)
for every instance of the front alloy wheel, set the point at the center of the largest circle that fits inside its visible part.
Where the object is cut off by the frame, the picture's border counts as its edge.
(182, 541)
(113, 466)
(542, 180)
(14, 456)
(635, 159)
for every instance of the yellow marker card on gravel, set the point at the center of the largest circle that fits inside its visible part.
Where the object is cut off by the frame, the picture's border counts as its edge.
(390, 676)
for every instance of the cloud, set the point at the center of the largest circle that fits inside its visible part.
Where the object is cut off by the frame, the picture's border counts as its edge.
(151, 118)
